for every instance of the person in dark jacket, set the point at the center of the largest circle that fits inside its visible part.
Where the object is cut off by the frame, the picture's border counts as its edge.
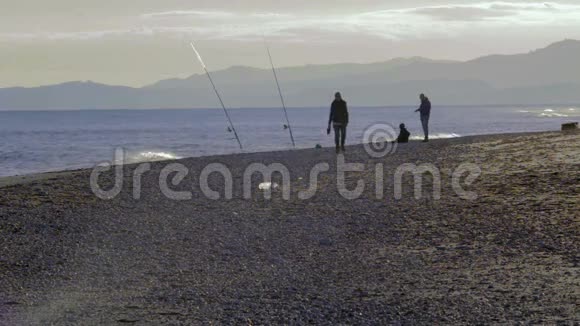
(403, 135)
(339, 120)
(425, 111)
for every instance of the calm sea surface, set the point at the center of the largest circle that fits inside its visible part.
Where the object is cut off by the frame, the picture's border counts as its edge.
(43, 141)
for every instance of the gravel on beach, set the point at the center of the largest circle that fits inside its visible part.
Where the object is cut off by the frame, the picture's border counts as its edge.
(510, 255)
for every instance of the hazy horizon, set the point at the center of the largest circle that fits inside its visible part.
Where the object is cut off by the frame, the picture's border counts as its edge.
(139, 43)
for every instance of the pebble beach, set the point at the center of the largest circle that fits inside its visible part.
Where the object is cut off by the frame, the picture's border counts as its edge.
(510, 255)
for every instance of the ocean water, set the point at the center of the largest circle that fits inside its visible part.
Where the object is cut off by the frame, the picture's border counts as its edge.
(41, 141)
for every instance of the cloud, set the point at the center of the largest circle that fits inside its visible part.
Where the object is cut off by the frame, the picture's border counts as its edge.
(189, 13)
(392, 24)
(78, 36)
(516, 6)
(461, 13)
(486, 10)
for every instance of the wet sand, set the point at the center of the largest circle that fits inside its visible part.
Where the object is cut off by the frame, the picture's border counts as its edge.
(511, 255)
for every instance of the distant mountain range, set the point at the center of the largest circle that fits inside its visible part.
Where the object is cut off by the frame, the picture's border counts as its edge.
(547, 76)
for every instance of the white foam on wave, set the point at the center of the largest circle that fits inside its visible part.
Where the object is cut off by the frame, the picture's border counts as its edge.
(550, 112)
(149, 156)
(158, 156)
(552, 115)
(437, 136)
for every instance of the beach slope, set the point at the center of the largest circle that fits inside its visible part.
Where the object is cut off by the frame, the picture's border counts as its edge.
(507, 254)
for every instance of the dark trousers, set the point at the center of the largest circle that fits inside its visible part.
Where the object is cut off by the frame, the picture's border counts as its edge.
(339, 135)
(425, 124)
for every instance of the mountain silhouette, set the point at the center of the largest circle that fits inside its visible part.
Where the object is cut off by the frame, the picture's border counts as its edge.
(546, 76)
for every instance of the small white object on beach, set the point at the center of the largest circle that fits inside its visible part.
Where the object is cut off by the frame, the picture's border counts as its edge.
(267, 186)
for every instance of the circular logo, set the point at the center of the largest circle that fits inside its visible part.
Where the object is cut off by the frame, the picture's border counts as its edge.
(380, 140)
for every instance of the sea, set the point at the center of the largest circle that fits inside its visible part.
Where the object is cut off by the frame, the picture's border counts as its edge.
(43, 141)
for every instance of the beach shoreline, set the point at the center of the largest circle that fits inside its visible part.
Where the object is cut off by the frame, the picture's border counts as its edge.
(508, 255)
(12, 180)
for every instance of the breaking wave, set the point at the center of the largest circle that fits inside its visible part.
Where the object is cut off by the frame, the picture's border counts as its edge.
(558, 113)
(552, 112)
(552, 115)
(149, 157)
(437, 136)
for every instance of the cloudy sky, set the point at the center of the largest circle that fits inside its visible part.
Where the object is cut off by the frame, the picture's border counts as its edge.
(136, 42)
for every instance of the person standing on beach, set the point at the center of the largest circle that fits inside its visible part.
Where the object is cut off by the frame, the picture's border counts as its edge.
(425, 111)
(339, 120)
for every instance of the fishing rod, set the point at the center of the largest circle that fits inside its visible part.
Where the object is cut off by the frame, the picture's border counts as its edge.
(217, 94)
(280, 92)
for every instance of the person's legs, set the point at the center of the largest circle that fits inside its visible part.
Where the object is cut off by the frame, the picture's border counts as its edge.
(337, 133)
(425, 123)
(343, 137)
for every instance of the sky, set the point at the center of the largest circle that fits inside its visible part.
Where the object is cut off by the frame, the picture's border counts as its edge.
(137, 42)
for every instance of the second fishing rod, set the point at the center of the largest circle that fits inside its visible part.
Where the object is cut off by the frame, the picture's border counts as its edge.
(280, 92)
